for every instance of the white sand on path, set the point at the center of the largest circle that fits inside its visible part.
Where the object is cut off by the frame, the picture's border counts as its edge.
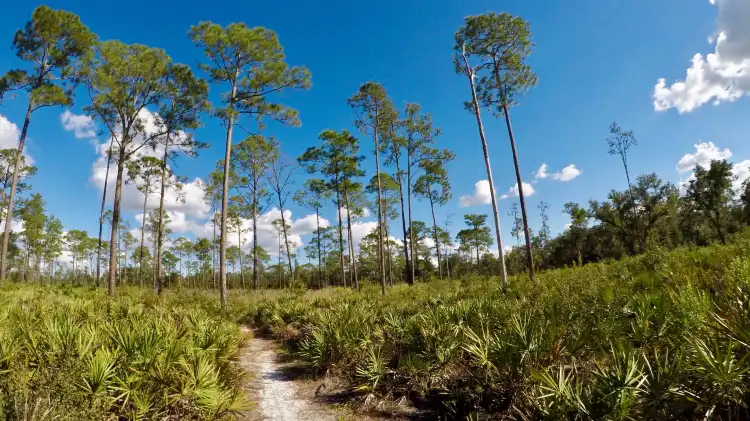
(275, 397)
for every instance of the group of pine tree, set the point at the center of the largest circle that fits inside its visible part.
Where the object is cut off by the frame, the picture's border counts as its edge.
(150, 106)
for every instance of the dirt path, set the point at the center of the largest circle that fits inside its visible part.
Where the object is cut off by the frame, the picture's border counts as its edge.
(275, 396)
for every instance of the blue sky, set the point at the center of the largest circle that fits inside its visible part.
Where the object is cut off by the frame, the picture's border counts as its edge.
(597, 62)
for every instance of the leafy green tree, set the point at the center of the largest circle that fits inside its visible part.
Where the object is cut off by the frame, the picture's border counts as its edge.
(143, 255)
(434, 186)
(50, 43)
(202, 249)
(145, 173)
(745, 201)
(710, 194)
(375, 114)
(634, 214)
(544, 235)
(75, 241)
(180, 112)
(354, 203)
(251, 161)
(182, 248)
(392, 196)
(7, 165)
(250, 64)
(517, 228)
(52, 242)
(477, 236)
(338, 160)
(159, 232)
(238, 212)
(462, 51)
(128, 240)
(500, 45)
(233, 256)
(313, 195)
(169, 261)
(34, 222)
(419, 233)
(124, 81)
(320, 246)
(279, 178)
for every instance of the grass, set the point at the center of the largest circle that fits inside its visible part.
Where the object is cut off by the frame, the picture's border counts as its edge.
(72, 354)
(665, 335)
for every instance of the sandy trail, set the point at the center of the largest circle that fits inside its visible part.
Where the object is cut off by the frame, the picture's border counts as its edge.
(275, 396)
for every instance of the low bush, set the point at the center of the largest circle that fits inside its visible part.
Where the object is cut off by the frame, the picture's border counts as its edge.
(74, 354)
(665, 335)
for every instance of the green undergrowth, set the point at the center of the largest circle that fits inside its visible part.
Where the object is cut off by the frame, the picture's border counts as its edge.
(74, 354)
(665, 335)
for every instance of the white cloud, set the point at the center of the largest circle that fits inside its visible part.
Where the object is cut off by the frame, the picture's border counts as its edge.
(566, 174)
(704, 154)
(82, 126)
(15, 225)
(741, 170)
(9, 136)
(192, 202)
(344, 211)
(481, 195)
(528, 190)
(267, 234)
(721, 76)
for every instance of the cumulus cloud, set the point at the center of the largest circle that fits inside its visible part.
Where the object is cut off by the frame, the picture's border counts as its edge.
(9, 136)
(566, 174)
(267, 235)
(704, 154)
(82, 126)
(528, 190)
(481, 195)
(190, 201)
(721, 76)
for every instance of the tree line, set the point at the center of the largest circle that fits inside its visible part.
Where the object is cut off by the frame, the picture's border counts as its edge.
(150, 106)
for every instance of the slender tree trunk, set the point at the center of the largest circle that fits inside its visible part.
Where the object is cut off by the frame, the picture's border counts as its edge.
(286, 243)
(13, 185)
(225, 197)
(160, 226)
(239, 240)
(213, 255)
(411, 231)
(529, 256)
(143, 237)
(409, 263)
(381, 249)
(627, 173)
(447, 262)
(387, 248)
(495, 213)
(352, 258)
(437, 241)
(341, 236)
(153, 268)
(320, 254)
(278, 263)
(101, 215)
(256, 269)
(115, 223)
